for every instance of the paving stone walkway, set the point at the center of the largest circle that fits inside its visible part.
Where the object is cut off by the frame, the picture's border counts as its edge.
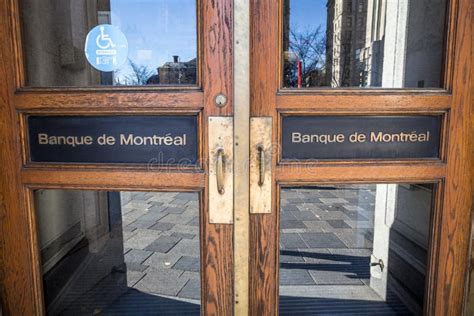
(326, 241)
(161, 243)
(326, 235)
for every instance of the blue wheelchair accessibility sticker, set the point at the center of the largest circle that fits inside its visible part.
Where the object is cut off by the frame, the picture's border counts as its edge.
(106, 48)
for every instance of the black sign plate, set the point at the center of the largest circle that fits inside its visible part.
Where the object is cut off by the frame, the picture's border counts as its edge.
(163, 140)
(360, 137)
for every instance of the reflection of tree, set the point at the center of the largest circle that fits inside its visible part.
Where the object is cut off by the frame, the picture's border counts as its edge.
(136, 76)
(309, 48)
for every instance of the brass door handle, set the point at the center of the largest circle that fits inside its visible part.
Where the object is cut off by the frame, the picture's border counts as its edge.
(261, 165)
(220, 171)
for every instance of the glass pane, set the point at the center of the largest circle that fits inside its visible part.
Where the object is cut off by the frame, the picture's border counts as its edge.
(138, 42)
(363, 43)
(119, 253)
(354, 249)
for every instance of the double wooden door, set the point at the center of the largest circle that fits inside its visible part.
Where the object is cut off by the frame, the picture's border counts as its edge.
(238, 157)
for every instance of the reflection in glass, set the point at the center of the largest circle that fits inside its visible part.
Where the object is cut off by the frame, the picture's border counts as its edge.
(161, 35)
(119, 253)
(354, 249)
(363, 43)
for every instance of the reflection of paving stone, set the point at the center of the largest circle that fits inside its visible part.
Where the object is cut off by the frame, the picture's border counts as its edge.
(186, 263)
(151, 216)
(292, 241)
(141, 239)
(175, 210)
(133, 277)
(167, 282)
(194, 221)
(296, 257)
(292, 224)
(353, 239)
(162, 226)
(163, 244)
(322, 240)
(137, 255)
(355, 216)
(295, 277)
(138, 224)
(191, 290)
(162, 260)
(183, 235)
(187, 247)
(304, 215)
(131, 266)
(338, 223)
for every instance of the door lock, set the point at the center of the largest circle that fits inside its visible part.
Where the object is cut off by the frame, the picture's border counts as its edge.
(220, 100)
(378, 263)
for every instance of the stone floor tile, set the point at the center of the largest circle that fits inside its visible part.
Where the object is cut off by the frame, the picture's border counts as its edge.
(187, 247)
(141, 239)
(132, 266)
(332, 201)
(191, 290)
(163, 244)
(291, 224)
(176, 219)
(137, 256)
(322, 240)
(183, 235)
(175, 210)
(166, 282)
(180, 228)
(138, 224)
(318, 226)
(353, 240)
(162, 260)
(133, 277)
(292, 241)
(161, 226)
(295, 277)
(152, 216)
(338, 223)
(303, 215)
(186, 263)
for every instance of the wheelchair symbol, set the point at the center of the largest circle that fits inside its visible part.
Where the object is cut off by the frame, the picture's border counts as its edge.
(102, 37)
(106, 48)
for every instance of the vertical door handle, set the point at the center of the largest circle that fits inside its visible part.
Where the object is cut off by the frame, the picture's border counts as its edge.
(220, 167)
(261, 165)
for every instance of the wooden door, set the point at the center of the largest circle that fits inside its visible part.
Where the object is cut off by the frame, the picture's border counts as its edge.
(329, 68)
(46, 77)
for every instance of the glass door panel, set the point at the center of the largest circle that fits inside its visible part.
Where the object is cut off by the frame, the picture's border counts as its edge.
(354, 249)
(127, 253)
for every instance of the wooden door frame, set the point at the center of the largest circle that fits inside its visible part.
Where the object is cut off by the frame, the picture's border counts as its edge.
(20, 274)
(451, 223)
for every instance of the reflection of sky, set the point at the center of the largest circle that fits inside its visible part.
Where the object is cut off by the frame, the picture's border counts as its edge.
(157, 29)
(308, 14)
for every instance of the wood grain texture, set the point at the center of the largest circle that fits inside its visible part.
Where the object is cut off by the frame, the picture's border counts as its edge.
(455, 221)
(112, 179)
(217, 78)
(17, 287)
(108, 100)
(263, 230)
(365, 101)
(375, 173)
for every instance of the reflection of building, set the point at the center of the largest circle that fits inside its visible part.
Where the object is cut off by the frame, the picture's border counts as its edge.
(345, 38)
(175, 72)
